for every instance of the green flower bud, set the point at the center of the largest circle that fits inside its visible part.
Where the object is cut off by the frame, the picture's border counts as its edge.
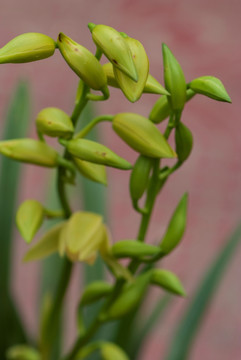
(115, 48)
(111, 351)
(174, 79)
(161, 109)
(128, 299)
(30, 151)
(168, 281)
(94, 172)
(97, 153)
(46, 246)
(95, 291)
(54, 122)
(184, 141)
(29, 218)
(133, 249)
(22, 352)
(82, 62)
(139, 177)
(83, 236)
(152, 86)
(211, 87)
(142, 135)
(26, 48)
(131, 89)
(176, 227)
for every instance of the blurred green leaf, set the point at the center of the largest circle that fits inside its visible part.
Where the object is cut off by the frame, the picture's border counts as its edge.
(16, 125)
(187, 328)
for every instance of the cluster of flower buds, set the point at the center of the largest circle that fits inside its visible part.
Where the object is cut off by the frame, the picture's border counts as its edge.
(82, 235)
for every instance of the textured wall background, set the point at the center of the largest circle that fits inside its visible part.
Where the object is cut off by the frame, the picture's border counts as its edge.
(204, 36)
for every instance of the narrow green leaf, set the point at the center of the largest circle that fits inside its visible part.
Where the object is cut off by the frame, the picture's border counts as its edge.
(17, 120)
(188, 326)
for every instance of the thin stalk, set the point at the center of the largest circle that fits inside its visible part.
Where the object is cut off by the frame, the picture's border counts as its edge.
(90, 126)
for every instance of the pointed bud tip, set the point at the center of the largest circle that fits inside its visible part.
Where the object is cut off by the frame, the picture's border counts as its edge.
(91, 26)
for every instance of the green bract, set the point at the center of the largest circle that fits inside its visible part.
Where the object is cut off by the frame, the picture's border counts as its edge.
(54, 122)
(184, 141)
(211, 87)
(30, 151)
(115, 48)
(29, 218)
(97, 153)
(82, 62)
(142, 135)
(26, 48)
(174, 79)
(131, 89)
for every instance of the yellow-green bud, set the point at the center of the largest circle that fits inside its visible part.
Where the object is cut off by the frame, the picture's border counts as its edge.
(184, 141)
(83, 236)
(168, 281)
(30, 151)
(29, 218)
(95, 291)
(82, 62)
(97, 153)
(54, 122)
(133, 249)
(162, 109)
(140, 176)
(94, 172)
(142, 135)
(174, 79)
(131, 89)
(22, 352)
(26, 48)
(176, 227)
(152, 86)
(115, 48)
(46, 246)
(211, 87)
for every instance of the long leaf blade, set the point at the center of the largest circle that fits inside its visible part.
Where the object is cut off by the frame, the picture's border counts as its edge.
(16, 127)
(187, 329)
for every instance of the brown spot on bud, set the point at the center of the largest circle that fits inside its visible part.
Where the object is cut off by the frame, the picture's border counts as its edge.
(114, 61)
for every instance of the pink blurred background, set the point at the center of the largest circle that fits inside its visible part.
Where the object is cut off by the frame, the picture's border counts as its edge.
(205, 37)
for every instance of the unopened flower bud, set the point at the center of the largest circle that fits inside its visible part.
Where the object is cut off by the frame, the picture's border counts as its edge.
(26, 48)
(82, 62)
(142, 135)
(131, 89)
(168, 281)
(139, 177)
(29, 218)
(94, 172)
(95, 291)
(174, 79)
(133, 249)
(115, 48)
(97, 153)
(54, 122)
(211, 87)
(22, 352)
(184, 141)
(30, 151)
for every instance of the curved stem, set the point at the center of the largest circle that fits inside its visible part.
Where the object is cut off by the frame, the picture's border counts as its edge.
(90, 126)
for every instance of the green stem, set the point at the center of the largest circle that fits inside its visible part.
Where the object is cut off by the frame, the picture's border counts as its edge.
(90, 126)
